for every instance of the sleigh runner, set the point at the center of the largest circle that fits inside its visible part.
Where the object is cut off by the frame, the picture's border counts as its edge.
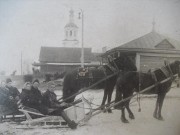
(7, 115)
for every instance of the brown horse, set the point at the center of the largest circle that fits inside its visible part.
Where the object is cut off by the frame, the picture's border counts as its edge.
(137, 81)
(73, 81)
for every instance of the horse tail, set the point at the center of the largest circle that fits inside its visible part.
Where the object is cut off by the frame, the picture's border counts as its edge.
(119, 94)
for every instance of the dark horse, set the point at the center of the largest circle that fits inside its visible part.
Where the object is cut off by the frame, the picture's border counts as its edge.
(137, 81)
(73, 81)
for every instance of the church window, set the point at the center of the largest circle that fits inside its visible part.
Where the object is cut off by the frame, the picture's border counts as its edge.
(75, 33)
(71, 33)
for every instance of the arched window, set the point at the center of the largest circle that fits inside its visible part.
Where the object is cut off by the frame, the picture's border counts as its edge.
(71, 33)
(66, 33)
(74, 33)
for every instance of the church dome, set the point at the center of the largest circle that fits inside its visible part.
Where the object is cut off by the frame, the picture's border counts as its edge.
(72, 25)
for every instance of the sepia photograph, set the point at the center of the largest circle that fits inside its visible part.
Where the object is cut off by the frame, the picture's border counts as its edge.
(89, 67)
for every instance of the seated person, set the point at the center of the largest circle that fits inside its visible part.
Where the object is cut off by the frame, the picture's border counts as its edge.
(12, 90)
(35, 87)
(30, 98)
(50, 100)
(8, 100)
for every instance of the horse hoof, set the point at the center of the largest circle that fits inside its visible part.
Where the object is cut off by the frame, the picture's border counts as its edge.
(104, 111)
(155, 116)
(109, 111)
(161, 118)
(131, 116)
(124, 120)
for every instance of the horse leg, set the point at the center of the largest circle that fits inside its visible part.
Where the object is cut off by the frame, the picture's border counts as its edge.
(104, 98)
(123, 117)
(162, 96)
(110, 90)
(131, 115)
(155, 115)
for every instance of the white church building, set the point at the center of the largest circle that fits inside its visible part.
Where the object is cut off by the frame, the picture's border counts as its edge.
(68, 57)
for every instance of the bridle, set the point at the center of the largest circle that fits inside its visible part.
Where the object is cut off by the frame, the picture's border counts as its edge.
(114, 68)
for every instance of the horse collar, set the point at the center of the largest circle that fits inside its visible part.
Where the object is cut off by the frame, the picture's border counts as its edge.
(165, 71)
(82, 71)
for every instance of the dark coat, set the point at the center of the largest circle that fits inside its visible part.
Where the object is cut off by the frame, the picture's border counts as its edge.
(4, 96)
(6, 101)
(31, 98)
(13, 91)
(50, 99)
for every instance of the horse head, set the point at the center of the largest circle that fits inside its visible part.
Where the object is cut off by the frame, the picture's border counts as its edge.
(124, 63)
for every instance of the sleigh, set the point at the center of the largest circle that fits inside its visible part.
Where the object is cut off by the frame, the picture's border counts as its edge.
(6, 115)
(76, 112)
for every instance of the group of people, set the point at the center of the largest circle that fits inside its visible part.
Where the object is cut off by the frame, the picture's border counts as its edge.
(31, 97)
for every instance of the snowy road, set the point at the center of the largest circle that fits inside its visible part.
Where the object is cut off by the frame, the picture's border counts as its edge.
(110, 124)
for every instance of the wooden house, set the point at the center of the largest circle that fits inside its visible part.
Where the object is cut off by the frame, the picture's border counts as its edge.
(63, 59)
(149, 51)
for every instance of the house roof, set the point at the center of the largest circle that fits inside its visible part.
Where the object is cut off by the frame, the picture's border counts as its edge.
(64, 55)
(151, 42)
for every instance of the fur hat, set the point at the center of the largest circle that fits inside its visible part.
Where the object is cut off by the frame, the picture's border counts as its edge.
(36, 80)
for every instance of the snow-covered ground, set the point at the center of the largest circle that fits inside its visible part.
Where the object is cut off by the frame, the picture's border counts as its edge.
(110, 124)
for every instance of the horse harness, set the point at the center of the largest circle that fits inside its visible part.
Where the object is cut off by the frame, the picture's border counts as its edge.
(165, 71)
(153, 75)
(85, 72)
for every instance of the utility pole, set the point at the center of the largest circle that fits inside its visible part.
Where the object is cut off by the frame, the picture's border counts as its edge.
(21, 62)
(82, 39)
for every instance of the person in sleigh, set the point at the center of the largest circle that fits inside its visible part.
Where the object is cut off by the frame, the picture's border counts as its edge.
(9, 97)
(45, 104)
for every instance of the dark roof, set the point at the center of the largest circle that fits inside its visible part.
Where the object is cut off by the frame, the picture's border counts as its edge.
(64, 55)
(151, 42)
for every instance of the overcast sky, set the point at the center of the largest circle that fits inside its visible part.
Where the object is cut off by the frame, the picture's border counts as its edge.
(26, 25)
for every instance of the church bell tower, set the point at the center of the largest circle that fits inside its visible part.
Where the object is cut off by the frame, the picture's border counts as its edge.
(71, 32)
